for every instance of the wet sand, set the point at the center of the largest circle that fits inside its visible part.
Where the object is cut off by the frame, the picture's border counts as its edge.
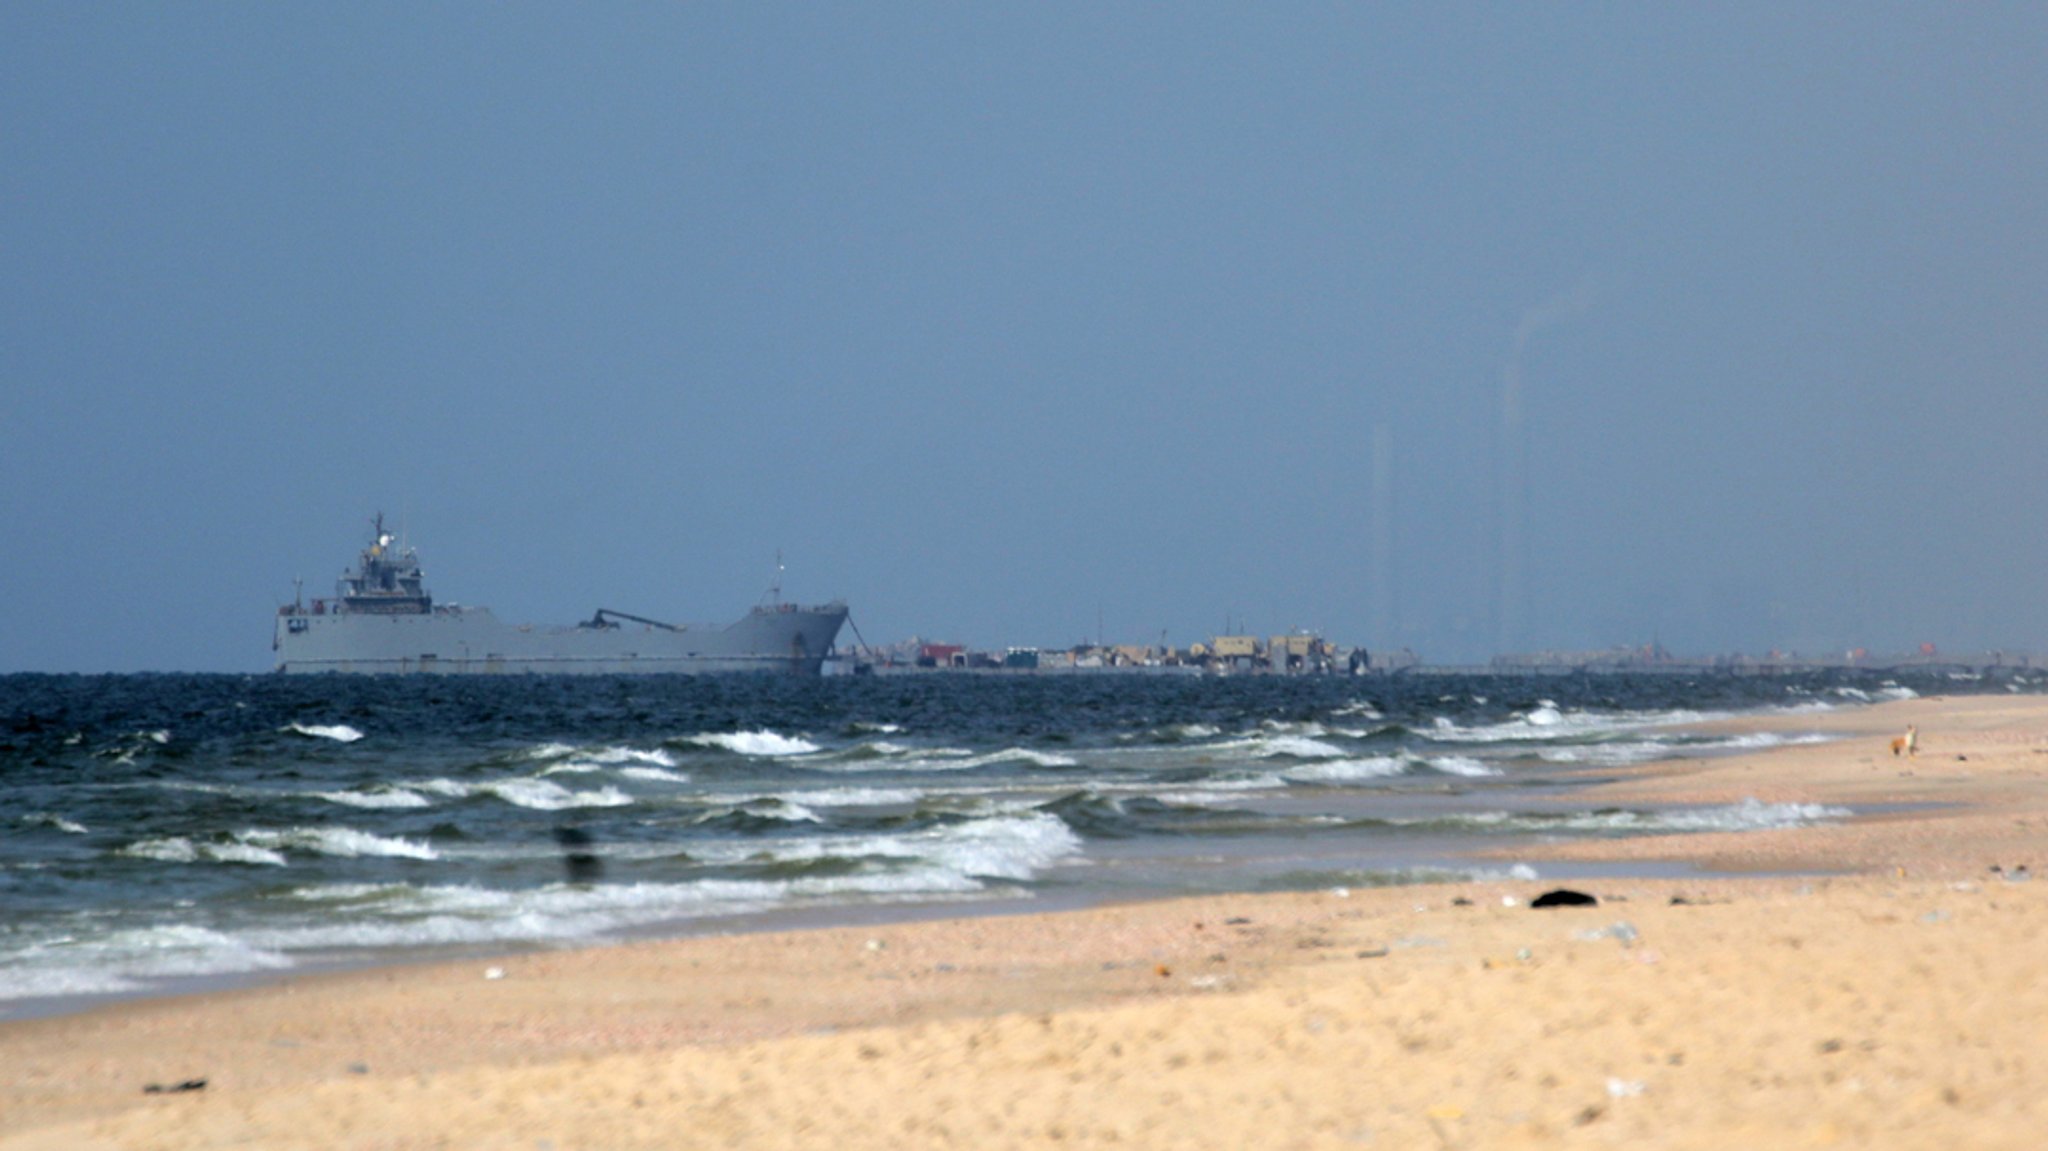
(1872, 983)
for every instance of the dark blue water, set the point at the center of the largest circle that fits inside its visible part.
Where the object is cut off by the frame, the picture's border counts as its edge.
(161, 829)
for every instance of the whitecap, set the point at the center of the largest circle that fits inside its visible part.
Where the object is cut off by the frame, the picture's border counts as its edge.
(854, 796)
(654, 774)
(343, 842)
(1546, 723)
(169, 849)
(241, 853)
(1299, 747)
(179, 849)
(448, 787)
(762, 742)
(1200, 798)
(54, 822)
(339, 732)
(391, 797)
(1613, 754)
(1339, 770)
(1461, 765)
(946, 759)
(612, 756)
(764, 807)
(541, 795)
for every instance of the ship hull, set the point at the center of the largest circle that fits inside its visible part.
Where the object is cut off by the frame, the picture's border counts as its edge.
(782, 639)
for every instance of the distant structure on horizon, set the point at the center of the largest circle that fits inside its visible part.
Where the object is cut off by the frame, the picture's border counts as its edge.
(382, 621)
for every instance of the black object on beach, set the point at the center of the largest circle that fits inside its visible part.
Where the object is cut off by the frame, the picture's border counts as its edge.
(1564, 897)
(173, 1088)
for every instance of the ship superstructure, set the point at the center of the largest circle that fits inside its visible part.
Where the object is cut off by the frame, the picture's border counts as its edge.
(382, 619)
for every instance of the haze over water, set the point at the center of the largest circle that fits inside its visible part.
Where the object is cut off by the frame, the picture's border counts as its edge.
(1456, 327)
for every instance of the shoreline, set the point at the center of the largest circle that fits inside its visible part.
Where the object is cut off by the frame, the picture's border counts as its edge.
(1474, 1022)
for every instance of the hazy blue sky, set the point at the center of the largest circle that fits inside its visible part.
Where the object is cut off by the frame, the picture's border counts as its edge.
(1006, 324)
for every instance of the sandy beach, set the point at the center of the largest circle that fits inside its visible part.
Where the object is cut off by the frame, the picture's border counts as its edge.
(1872, 982)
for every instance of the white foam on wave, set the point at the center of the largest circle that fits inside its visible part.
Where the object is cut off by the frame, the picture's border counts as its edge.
(179, 849)
(1763, 739)
(1295, 746)
(1617, 753)
(54, 822)
(345, 892)
(380, 797)
(612, 756)
(1200, 798)
(854, 796)
(460, 914)
(1340, 770)
(1309, 728)
(550, 751)
(1014, 847)
(1463, 765)
(654, 774)
(537, 794)
(1622, 753)
(1749, 815)
(541, 795)
(127, 960)
(878, 728)
(575, 762)
(1300, 747)
(947, 862)
(169, 849)
(341, 842)
(764, 807)
(1546, 723)
(1172, 733)
(860, 755)
(338, 732)
(762, 742)
(947, 759)
(953, 857)
(1011, 754)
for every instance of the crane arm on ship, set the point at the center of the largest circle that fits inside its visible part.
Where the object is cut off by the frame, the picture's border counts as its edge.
(599, 620)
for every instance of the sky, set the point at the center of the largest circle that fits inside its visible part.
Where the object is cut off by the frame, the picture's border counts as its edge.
(1461, 327)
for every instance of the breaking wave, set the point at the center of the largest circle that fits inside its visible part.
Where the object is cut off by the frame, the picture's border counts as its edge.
(338, 732)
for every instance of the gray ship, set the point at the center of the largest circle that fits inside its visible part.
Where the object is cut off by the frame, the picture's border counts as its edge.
(382, 620)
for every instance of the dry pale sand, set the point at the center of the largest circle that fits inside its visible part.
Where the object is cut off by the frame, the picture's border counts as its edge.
(1896, 1002)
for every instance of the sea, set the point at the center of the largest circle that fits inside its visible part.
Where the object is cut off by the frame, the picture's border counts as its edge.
(169, 833)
